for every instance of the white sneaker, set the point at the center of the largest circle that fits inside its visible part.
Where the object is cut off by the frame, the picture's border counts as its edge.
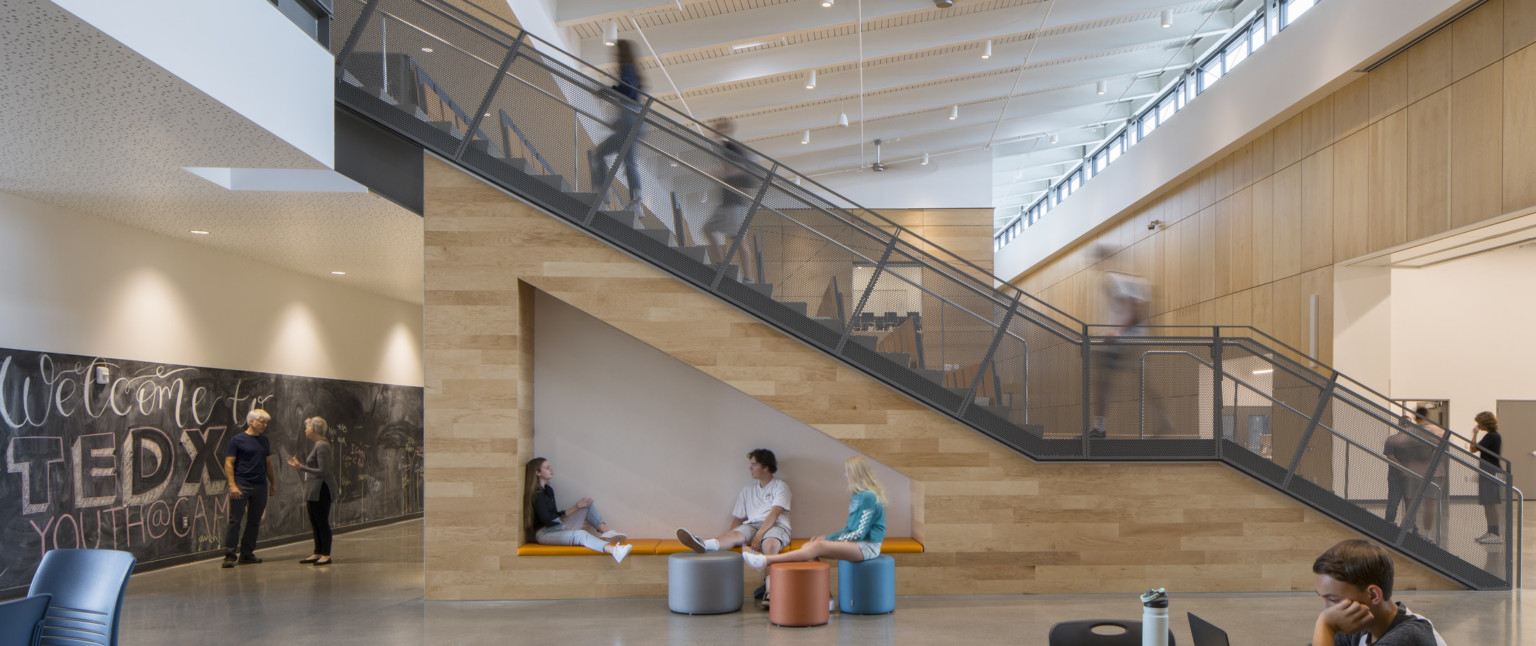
(689, 540)
(613, 536)
(754, 559)
(621, 551)
(1490, 538)
(831, 605)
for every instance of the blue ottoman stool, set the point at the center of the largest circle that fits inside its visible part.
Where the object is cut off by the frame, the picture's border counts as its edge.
(867, 587)
(704, 584)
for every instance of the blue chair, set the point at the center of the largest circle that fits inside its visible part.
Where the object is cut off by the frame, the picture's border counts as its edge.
(87, 588)
(21, 620)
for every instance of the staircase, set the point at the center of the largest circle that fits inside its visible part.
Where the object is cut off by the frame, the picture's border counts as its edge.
(516, 111)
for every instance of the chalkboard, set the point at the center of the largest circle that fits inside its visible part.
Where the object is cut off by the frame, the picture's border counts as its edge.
(128, 455)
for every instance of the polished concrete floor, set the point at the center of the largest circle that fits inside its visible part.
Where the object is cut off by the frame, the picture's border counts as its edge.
(373, 595)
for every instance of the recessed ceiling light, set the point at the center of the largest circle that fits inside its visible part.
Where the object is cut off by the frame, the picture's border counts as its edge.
(1263, 371)
(826, 3)
(427, 50)
(198, 232)
(338, 273)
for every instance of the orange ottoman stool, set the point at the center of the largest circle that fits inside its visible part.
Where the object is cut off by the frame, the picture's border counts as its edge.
(800, 593)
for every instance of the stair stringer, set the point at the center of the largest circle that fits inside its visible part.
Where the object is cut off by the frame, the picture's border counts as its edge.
(991, 521)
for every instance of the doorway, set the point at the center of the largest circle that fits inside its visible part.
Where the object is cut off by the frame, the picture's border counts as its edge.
(1517, 424)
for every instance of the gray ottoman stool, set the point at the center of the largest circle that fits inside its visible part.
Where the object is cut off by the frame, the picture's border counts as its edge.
(704, 584)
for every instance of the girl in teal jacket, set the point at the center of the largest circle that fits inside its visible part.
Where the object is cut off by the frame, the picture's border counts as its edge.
(859, 540)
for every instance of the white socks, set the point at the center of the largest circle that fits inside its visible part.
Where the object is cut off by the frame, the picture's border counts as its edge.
(711, 545)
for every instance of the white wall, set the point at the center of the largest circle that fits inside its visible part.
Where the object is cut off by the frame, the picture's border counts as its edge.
(1362, 324)
(1461, 331)
(243, 53)
(958, 181)
(1317, 55)
(658, 444)
(79, 284)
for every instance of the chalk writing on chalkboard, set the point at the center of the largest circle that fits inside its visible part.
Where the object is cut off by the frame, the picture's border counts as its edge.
(128, 455)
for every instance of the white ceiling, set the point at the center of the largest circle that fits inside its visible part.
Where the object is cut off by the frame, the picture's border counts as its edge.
(913, 63)
(94, 127)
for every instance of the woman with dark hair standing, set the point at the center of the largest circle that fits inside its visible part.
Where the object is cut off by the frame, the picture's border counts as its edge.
(319, 488)
(628, 88)
(547, 524)
(1490, 492)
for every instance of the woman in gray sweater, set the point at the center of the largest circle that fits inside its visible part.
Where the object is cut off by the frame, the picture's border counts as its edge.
(319, 488)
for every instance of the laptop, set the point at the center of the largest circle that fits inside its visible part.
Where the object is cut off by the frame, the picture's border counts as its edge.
(1205, 633)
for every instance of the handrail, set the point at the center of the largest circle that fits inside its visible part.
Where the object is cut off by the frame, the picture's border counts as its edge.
(816, 231)
(698, 124)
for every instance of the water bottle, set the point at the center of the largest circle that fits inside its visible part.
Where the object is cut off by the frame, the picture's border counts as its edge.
(1154, 617)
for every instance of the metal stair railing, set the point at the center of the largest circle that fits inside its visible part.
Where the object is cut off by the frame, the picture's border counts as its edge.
(991, 356)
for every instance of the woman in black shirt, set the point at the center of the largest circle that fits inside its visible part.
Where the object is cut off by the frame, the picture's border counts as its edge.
(1490, 491)
(580, 525)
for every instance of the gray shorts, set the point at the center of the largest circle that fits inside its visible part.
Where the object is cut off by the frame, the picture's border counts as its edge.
(870, 550)
(777, 532)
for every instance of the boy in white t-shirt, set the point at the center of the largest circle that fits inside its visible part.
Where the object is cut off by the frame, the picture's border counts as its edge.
(759, 520)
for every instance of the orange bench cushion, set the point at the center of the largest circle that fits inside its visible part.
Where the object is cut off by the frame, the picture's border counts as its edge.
(673, 547)
(642, 546)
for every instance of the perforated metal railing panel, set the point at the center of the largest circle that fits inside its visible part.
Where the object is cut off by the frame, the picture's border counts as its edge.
(651, 181)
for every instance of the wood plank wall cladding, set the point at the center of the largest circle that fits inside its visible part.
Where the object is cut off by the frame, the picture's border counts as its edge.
(1439, 137)
(991, 521)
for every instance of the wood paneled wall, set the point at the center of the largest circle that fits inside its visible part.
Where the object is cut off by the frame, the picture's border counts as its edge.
(1439, 137)
(992, 522)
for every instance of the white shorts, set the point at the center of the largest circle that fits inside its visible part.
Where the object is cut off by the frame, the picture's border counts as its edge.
(870, 550)
(776, 532)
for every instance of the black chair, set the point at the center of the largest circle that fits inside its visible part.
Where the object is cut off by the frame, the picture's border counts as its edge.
(21, 621)
(1119, 632)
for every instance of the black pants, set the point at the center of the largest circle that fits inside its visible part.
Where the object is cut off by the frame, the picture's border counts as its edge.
(320, 520)
(250, 505)
(1394, 493)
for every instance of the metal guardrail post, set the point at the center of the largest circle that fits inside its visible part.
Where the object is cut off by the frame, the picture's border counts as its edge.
(479, 115)
(982, 368)
(1306, 436)
(885, 257)
(1087, 388)
(746, 225)
(1218, 373)
(352, 38)
(618, 160)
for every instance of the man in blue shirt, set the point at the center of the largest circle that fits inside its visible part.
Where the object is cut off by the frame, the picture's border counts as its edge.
(248, 468)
